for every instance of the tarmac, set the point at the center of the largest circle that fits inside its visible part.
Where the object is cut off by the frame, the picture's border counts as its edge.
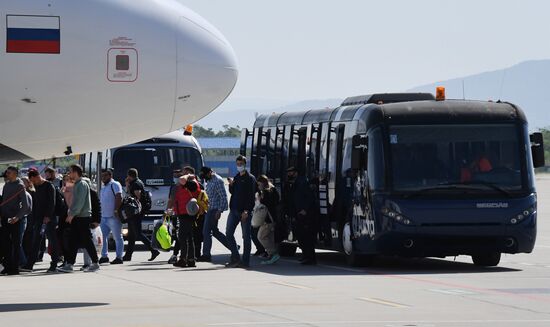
(394, 292)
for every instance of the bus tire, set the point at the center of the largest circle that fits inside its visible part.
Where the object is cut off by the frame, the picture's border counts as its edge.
(353, 258)
(486, 259)
(287, 249)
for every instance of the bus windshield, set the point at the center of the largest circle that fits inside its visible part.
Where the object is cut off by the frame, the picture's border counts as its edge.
(154, 164)
(462, 158)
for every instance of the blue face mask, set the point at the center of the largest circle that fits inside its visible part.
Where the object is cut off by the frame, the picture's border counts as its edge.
(240, 169)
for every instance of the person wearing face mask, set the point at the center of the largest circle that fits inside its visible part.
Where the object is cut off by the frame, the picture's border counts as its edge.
(243, 190)
(217, 196)
(176, 174)
(268, 196)
(300, 206)
(111, 200)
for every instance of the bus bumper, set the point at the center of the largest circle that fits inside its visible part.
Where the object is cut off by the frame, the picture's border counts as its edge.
(441, 241)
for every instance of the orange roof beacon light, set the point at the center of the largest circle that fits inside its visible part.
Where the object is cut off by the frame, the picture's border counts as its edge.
(440, 93)
(188, 130)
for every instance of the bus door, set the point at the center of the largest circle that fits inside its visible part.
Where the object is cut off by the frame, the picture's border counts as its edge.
(289, 144)
(325, 131)
(257, 151)
(279, 158)
(313, 154)
(301, 137)
(338, 193)
(266, 159)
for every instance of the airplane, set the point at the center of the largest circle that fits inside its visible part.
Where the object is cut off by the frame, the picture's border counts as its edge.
(78, 76)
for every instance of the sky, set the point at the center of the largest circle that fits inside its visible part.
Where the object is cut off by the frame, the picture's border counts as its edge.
(320, 49)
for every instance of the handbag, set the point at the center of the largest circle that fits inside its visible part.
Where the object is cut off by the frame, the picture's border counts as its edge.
(162, 239)
(259, 215)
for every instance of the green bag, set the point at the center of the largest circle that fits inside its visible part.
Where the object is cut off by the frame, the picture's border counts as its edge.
(163, 236)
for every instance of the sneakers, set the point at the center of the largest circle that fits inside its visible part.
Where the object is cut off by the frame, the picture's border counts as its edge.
(173, 259)
(117, 261)
(232, 264)
(271, 261)
(84, 267)
(264, 255)
(52, 269)
(66, 268)
(103, 260)
(154, 255)
(204, 258)
(127, 257)
(191, 264)
(180, 264)
(92, 268)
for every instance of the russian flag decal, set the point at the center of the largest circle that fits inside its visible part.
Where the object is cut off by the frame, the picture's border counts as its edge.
(33, 34)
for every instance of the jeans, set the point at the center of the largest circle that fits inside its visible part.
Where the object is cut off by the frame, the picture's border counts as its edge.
(108, 225)
(81, 237)
(232, 221)
(185, 237)
(134, 233)
(12, 244)
(210, 229)
(22, 228)
(37, 239)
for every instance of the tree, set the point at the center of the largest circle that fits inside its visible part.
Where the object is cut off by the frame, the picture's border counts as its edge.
(199, 131)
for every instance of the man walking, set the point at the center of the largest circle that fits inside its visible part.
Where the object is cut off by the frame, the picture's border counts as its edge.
(217, 197)
(300, 206)
(45, 221)
(136, 189)
(111, 199)
(243, 190)
(14, 208)
(79, 219)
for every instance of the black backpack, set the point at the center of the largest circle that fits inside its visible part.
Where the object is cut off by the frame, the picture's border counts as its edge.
(60, 204)
(96, 206)
(146, 201)
(129, 209)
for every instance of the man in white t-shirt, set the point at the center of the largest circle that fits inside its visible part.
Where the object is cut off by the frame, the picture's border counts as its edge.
(111, 200)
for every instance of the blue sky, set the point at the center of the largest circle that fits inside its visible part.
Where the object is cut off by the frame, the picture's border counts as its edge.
(319, 49)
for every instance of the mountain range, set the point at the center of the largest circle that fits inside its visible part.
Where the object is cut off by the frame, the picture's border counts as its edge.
(526, 84)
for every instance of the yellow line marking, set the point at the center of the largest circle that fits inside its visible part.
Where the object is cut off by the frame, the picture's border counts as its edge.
(383, 302)
(293, 285)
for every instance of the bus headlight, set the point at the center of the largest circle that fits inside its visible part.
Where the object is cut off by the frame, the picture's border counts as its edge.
(523, 215)
(396, 216)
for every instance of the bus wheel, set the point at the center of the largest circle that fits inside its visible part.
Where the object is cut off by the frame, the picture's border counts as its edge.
(353, 258)
(486, 259)
(287, 249)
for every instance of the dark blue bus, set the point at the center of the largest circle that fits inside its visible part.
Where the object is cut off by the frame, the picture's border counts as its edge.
(407, 175)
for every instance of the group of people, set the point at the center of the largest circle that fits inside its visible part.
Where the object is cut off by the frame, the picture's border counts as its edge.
(34, 209)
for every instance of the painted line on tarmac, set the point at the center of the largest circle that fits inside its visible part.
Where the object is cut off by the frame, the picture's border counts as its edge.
(301, 287)
(442, 283)
(378, 322)
(384, 302)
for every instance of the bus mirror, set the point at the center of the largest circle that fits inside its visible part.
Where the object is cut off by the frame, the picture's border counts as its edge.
(359, 152)
(245, 134)
(537, 149)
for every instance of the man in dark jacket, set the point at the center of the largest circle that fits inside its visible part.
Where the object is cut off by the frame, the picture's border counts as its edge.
(136, 188)
(45, 221)
(300, 206)
(243, 190)
(14, 208)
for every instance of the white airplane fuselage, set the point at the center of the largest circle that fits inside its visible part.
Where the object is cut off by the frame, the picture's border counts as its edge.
(95, 74)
